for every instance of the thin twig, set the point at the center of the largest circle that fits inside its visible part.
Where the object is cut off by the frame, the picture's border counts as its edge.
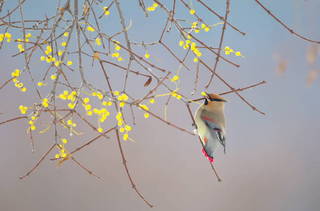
(124, 162)
(13, 119)
(284, 25)
(38, 163)
(220, 43)
(85, 168)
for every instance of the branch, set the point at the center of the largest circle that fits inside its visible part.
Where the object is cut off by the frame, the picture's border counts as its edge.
(284, 25)
(124, 162)
(220, 43)
(38, 163)
(13, 119)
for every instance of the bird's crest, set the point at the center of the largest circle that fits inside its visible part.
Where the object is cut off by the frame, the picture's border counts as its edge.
(215, 97)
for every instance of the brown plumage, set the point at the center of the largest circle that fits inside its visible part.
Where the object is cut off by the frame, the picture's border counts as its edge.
(215, 97)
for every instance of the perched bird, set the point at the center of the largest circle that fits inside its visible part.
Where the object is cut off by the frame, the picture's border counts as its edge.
(210, 122)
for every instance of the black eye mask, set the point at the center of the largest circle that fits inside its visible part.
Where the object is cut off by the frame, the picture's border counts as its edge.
(218, 100)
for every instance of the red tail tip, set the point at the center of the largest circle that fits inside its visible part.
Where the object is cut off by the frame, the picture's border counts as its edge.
(211, 159)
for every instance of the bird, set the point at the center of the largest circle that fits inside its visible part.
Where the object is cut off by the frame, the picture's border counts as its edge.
(210, 124)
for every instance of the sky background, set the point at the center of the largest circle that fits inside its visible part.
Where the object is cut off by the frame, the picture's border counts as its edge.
(272, 161)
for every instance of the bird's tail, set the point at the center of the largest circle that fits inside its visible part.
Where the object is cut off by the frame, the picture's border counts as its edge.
(211, 159)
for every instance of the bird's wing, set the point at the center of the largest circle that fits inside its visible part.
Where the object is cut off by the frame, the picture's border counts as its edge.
(215, 130)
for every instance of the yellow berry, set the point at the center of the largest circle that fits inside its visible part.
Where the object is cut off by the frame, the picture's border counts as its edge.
(238, 53)
(19, 85)
(146, 115)
(53, 77)
(175, 78)
(86, 100)
(40, 83)
(106, 11)
(69, 63)
(98, 41)
(71, 105)
(117, 47)
(87, 107)
(125, 136)
(115, 54)
(7, 35)
(150, 9)
(64, 140)
(152, 100)
(128, 128)
(90, 29)
(23, 109)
